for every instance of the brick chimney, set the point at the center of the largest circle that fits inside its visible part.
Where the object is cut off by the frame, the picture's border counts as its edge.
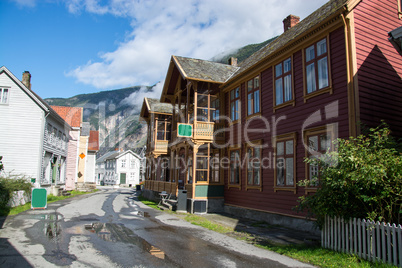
(232, 61)
(26, 79)
(290, 21)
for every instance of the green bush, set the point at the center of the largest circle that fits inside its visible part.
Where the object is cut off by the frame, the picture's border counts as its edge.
(9, 185)
(362, 179)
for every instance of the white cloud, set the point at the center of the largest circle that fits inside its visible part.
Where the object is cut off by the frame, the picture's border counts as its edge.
(136, 98)
(198, 29)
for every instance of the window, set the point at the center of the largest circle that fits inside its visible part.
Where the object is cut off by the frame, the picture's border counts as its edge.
(285, 162)
(400, 8)
(163, 127)
(215, 110)
(165, 174)
(202, 164)
(283, 82)
(235, 104)
(4, 95)
(190, 170)
(316, 66)
(254, 166)
(132, 164)
(215, 170)
(123, 163)
(253, 96)
(317, 142)
(202, 107)
(234, 168)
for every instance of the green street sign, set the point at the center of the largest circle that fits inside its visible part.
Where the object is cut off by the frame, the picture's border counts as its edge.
(39, 198)
(184, 130)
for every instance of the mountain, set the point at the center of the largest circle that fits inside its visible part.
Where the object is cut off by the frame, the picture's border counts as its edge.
(115, 113)
(241, 53)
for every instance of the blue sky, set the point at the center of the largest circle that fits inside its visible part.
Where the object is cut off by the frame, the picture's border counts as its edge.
(73, 47)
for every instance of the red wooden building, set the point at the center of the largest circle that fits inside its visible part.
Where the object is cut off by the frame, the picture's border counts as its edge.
(325, 77)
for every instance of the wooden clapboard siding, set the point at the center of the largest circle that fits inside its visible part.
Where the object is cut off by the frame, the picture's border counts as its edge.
(379, 64)
(282, 202)
(21, 131)
(72, 160)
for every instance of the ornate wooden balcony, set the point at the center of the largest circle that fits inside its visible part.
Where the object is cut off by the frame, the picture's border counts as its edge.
(161, 147)
(203, 131)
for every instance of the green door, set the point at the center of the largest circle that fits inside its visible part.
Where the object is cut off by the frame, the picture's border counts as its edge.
(122, 178)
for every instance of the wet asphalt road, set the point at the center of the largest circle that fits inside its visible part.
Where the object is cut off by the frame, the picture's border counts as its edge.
(111, 229)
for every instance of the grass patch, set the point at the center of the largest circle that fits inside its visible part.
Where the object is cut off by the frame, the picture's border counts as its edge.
(201, 221)
(50, 199)
(321, 257)
(148, 202)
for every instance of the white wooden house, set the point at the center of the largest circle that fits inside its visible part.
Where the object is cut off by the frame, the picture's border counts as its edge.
(33, 137)
(119, 168)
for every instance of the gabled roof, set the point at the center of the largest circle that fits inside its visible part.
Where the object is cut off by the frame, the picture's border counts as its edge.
(151, 105)
(128, 152)
(307, 25)
(195, 69)
(108, 155)
(93, 141)
(203, 70)
(72, 115)
(115, 155)
(38, 100)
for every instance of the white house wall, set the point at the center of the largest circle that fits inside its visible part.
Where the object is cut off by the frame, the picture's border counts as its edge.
(72, 159)
(132, 173)
(55, 145)
(90, 167)
(21, 122)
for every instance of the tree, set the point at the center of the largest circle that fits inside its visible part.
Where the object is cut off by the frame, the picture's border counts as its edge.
(362, 178)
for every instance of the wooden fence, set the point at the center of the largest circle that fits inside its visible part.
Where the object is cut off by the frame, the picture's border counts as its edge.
(374, 241)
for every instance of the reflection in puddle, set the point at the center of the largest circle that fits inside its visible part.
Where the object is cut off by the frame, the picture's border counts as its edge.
(142, 213)
(119, 233)
(51, 226)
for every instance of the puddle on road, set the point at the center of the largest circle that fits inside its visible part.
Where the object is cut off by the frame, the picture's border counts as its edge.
(119, 233)
(50, 222)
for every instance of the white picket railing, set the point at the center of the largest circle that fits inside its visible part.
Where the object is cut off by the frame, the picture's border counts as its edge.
(374, 241)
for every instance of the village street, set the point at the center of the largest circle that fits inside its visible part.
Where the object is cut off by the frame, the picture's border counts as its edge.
(111, 229)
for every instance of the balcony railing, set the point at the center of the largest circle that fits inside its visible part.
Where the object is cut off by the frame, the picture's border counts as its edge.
(203, 131)
(161, 147)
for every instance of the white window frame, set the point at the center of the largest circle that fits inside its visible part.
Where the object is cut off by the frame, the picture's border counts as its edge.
(2, 90)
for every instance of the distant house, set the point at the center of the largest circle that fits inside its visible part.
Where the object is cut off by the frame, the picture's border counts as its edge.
(93, 148)
(84, 144)
(119, 168)
(73, 116)
(240, 132)
(33, 137)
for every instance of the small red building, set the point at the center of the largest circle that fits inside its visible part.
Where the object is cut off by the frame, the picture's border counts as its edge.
(326, 77)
